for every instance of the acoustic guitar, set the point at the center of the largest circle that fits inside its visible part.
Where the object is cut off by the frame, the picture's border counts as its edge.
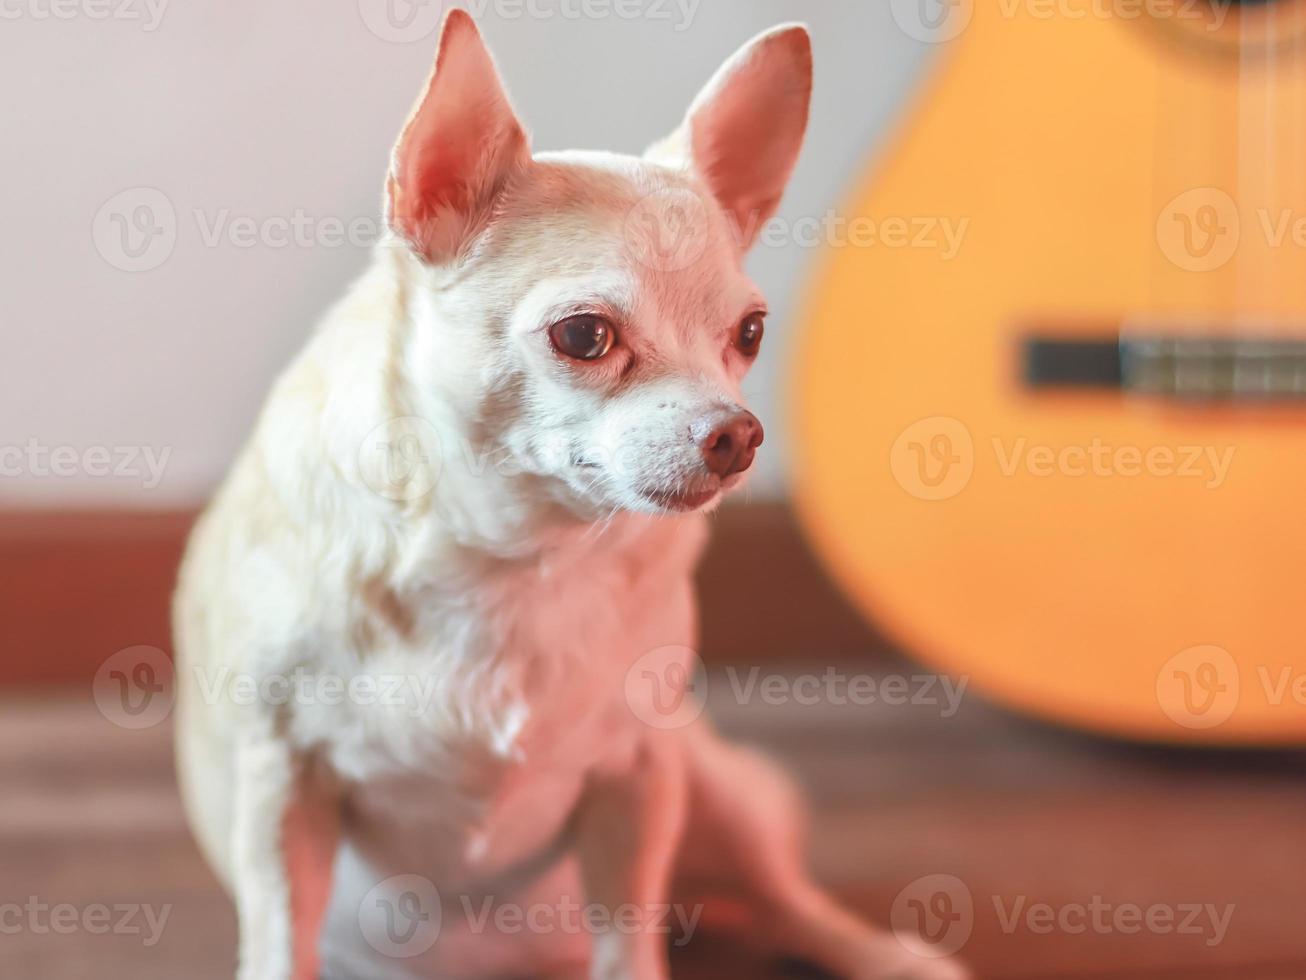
(1051, 390)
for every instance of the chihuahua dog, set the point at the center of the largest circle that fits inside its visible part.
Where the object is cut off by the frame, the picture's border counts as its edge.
(414, 626)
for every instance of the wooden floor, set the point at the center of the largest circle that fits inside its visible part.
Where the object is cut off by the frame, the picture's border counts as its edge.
(1018, 815)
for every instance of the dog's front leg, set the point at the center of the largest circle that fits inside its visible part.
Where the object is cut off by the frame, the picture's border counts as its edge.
(264, 787)
(628, 830)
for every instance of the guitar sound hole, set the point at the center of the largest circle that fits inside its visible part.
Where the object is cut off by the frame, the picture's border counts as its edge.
(1235, 27)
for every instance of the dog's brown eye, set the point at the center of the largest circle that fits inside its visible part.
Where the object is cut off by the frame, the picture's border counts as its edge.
(748, 338)
(586, 338)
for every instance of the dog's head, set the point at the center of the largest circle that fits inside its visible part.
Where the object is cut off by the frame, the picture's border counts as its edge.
(587, 315)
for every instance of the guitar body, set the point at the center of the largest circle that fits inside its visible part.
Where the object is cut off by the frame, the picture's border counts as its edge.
(1129, 564)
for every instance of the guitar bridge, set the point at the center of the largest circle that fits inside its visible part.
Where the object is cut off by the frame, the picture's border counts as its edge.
(1189, 368)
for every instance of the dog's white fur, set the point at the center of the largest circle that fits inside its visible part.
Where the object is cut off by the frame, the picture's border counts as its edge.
(541, 541)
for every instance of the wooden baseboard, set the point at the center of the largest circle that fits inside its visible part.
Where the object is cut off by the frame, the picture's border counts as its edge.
(75, 587)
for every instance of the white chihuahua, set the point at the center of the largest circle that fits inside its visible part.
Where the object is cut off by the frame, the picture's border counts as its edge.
(471, 508)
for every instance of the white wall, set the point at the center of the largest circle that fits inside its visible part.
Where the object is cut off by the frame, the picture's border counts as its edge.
(266, 110)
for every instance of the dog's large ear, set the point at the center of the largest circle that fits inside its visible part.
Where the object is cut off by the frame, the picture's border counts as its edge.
(744, 130)
(458, 149)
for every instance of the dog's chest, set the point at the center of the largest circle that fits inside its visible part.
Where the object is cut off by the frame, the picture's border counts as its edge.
(508, 699)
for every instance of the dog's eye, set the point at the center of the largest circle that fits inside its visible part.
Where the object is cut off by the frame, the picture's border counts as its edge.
(748, 337)
(586, 338)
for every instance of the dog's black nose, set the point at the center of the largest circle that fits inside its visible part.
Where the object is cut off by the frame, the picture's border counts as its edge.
(730, 446)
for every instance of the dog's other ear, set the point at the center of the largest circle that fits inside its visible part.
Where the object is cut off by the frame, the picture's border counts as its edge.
(744, 130)
(458, 149)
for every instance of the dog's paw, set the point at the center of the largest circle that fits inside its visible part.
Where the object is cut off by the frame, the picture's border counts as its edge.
(905, 965)
(944, 970)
